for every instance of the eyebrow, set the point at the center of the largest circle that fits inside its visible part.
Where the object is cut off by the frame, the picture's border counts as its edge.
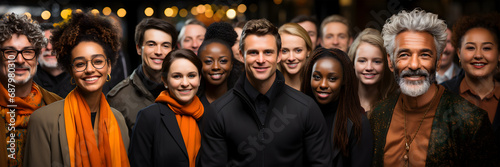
(481, 43)
(408, 50)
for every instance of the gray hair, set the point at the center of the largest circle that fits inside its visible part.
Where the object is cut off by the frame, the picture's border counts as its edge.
(416, 20)
(191, 21)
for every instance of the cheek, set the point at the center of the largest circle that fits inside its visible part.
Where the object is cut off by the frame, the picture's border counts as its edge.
(314, 84)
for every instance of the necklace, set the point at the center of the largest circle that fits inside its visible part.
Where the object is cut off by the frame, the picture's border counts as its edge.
(408, 143)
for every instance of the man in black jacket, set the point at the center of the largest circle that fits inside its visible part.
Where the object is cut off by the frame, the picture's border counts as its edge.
(262, 121)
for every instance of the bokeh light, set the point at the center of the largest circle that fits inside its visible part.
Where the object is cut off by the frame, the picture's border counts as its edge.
(231, 13)
(45, 15)
(121, 12)
(106, 11)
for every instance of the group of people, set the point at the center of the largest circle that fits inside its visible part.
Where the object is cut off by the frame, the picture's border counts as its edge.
(252, 94)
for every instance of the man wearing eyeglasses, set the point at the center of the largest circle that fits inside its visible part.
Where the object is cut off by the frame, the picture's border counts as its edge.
(154, 39)
(21, 41)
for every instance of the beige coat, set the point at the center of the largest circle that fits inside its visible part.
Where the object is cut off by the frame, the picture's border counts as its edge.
(47, 145)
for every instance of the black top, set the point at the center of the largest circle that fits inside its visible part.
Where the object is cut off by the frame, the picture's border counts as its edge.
(260, 101)
(60, 85)
(92, 118)
(154, 87)
(329, 110)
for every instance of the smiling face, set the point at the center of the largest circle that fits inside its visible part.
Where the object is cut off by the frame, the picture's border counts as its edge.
(479, 53)
(182, 80)
(25, 70)
(261, 58)
(47, 59)
(311, 29)
(193, 37)
(326, 79)
(448, 53)
(293, 53)
(155, 46)
(415, 62)
(89, 55)
(369, 64)
(336, 35)
(217, 63)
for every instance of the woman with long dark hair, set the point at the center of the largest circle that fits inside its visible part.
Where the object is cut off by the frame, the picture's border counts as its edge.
(329, 78)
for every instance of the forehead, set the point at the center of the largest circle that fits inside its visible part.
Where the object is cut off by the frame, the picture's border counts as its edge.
(215, 47)
(260, 42)
(308, 25)
(182, 65)
(478, 35)
(367, 50)
(327, 65)
(87, 49)
(156, 35)
(291, 40)
(18, 41)
(194, 30)
(335, 28)
(415, 40)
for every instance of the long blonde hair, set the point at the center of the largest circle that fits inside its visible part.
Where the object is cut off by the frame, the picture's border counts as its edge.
(297, 30)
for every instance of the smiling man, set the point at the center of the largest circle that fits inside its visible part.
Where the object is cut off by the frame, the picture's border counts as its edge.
(21, 42)
(425, 125)
(262, 121)
(154, 39)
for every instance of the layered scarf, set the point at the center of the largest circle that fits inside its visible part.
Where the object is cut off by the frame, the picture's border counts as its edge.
(83, 147)
(186, 116)
(21, 108)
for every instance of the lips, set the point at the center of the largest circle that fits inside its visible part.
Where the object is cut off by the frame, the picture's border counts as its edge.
(215, 76)
(184, 91)
(91, 79)
(21, 70)
(261, 69)
(369, 76)
(478, 64)
(157, 60)
(292, 65)
(323, 95)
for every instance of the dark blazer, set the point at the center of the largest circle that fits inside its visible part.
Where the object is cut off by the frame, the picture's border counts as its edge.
(157, 139)
(453, 85)
(360, 151)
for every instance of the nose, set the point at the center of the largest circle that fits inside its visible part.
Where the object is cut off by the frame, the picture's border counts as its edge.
(215, 66)
(49, 46)
(196, 44)
(478, 54)
(292, 57)
(335, 40)
(184, 82)
(369, 66)
(260, 58)
(90, 68)
(20, 59)
(158, 50)
(323, 85)
(414, 63)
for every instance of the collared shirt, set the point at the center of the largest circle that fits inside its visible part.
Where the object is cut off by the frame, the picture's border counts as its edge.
(152, 86)
(260, 101)
(489, 103)
(450, 73)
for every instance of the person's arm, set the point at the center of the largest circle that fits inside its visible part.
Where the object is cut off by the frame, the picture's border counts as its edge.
(213, 150)
(362, 151)
(317, 144)
(37, 150)
(141, 145)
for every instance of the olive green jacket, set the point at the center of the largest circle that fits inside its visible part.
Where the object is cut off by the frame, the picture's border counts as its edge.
(461, 133)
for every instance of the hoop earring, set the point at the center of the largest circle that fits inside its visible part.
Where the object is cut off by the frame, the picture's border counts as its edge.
(72, 81)
(108, 78)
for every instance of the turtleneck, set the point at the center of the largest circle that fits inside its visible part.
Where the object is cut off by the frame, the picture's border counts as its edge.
(329, 110)
(153, 87)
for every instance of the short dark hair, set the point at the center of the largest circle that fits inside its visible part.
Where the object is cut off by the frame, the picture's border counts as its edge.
(20, 24)
(84, 27)
(180, 54)
(259, 27)
(304, 18)
(46, 26)
(154, 23)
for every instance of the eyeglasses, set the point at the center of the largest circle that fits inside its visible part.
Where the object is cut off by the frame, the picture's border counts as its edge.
(11, 54)
(80, 64)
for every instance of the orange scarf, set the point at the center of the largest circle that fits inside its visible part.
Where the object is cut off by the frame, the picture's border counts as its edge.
(83, 148)
(186, 116)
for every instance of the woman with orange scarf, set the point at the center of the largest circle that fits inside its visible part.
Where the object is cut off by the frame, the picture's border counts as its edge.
(81, 130)
(166, 133)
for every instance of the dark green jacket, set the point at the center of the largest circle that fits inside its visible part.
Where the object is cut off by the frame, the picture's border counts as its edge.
(461, 133)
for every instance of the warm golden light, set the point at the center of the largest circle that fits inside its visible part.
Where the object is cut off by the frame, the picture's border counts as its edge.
(345, 2)
(209, 13)
(277, 2)
(194, 10)
(106, 11)
(94, 11)
(200, 9)
(78, 11)
(169, 12)
(242, 8)
(121, 12)
(28, 14)
(208, 6)
(65, 13)
(231, 13)
(45, 15)
(149, 11)
(183, 13)
(175, 10)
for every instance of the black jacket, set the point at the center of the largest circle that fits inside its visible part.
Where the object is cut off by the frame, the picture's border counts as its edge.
(453, 85)
(294, 133)
(157, 139)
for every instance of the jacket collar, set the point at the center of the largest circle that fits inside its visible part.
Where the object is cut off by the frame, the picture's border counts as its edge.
(278, 85)
(138, 85)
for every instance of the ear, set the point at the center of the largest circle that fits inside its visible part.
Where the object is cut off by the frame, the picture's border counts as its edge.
(279, 57)
(240, 57)
(389, 63)
(459, 58)
(164, 80)
(139, 50)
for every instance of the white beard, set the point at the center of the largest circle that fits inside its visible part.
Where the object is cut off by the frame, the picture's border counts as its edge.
(415, 88)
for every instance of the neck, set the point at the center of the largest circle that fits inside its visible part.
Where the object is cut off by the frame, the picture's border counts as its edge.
(419, 101)
(443, 69)
(213, 92)
(151, 74)
(482, 86)
(263, 86)
(93, 99)
(53, 71)
(368, 94)
(292, 80)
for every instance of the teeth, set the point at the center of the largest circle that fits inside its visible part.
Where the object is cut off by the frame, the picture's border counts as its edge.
(216, 75)
(91, 79)
(184, 91)
(478, 64)
(369, 75)
(157, 60)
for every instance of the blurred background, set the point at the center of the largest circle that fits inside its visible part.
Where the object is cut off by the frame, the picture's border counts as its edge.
(361, 13)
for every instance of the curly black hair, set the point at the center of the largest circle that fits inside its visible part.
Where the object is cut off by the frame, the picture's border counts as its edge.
(20, 24)
(487, 21)
(83, 27)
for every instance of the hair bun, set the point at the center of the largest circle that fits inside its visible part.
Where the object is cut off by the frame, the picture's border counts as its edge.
(223, 31)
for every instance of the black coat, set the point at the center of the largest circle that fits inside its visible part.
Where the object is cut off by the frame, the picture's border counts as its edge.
(157, 139)
(453, 85)
(294, 133)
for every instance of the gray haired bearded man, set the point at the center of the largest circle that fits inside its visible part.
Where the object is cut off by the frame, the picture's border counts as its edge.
(425, 125)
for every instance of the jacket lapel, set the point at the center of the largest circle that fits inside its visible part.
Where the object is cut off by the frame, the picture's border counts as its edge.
(63, 140)
(169, 120)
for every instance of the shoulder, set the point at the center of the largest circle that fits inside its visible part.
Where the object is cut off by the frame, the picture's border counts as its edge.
(47, 114)
(454, 105)
(119, 87)
(229, 99)
(296, 97)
